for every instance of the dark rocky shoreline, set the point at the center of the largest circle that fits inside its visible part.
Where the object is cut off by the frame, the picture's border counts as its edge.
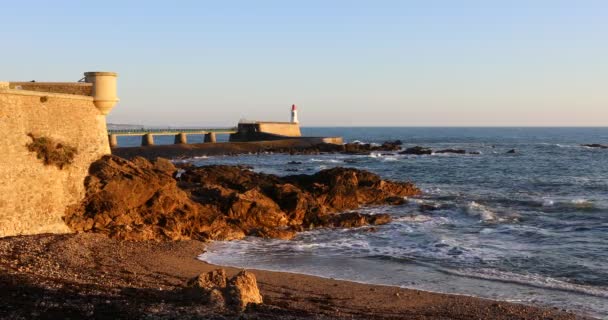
(179, 151)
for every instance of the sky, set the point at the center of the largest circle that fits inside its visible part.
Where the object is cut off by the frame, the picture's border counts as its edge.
(344, 63)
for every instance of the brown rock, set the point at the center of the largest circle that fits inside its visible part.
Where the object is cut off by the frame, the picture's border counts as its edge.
(395, 200)
(142, 200)
(378, 219)
(243, 290)
(356, 219)
(210, 280)
(284, 234)
(209, 287)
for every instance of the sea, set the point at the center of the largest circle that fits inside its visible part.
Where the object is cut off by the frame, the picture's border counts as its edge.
(527, 227)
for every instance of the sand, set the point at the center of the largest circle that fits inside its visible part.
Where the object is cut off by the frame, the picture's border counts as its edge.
(90, 276)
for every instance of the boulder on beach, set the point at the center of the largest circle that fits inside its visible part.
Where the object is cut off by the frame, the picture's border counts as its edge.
(242, 290)
(142, 200)
(209, 287)
(215, 289)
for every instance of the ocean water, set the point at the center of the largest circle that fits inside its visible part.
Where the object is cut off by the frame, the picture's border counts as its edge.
(529, 227)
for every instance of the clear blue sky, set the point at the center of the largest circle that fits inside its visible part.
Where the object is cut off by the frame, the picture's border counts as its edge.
(377, 63)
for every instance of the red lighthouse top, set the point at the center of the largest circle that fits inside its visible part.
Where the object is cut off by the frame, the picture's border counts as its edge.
(293, 107)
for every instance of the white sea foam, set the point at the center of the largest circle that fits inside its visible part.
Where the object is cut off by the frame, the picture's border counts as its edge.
(326, 160)
(187, 160)
(483, 212)
(179, 173)
(580, 201)
(530, 279)
(414, 218)
(548, 203)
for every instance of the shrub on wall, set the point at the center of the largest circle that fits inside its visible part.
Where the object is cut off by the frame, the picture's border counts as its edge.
(52, 152)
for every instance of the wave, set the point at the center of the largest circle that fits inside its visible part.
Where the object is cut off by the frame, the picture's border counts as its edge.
(533, 280)
(414, 218)
(384, 157)
(326, 160)
(186, 160)
(555, 205)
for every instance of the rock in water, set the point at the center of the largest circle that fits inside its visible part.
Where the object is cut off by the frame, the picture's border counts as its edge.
(428, 207)
(396, 201)
(142, 200)
(356, 220)
(595, 145)
(455, 151)
(243, 290)
(366, 148)
(417, 150)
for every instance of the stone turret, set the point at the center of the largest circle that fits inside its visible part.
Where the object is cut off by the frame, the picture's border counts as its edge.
(104, 90)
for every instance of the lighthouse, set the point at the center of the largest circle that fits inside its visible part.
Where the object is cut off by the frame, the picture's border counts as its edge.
(294, 114)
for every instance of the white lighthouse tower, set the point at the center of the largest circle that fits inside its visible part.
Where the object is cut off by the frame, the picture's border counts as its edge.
(294, 114)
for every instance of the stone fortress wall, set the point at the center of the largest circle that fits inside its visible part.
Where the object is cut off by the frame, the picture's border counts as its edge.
(34, 196)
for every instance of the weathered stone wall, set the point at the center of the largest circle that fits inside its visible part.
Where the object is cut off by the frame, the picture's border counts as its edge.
(34, 196)
(79, 88)
(281, 128)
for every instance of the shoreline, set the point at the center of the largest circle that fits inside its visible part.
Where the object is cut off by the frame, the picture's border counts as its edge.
(465, 295)
(87, 275)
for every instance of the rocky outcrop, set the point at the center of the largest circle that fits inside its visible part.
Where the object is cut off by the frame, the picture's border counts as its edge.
(142, 200)
(417, 150)
(215, 289)
(366, 148)
(455, 151)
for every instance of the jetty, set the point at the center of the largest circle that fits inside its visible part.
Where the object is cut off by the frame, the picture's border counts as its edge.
(245, 131)
(181, 134)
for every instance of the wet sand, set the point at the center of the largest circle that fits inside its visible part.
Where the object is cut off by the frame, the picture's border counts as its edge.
(90, 276)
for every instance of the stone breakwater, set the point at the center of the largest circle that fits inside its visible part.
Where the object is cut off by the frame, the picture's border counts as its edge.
(291, 146)
(143, 200)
